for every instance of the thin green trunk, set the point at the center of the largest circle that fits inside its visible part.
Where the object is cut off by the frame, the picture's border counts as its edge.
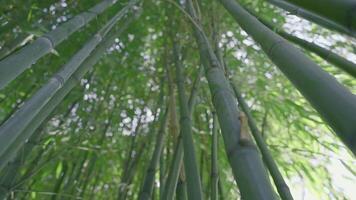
(190, 164)
(214, 160)
(173, 174)
(162, 172)
(16, 63)
(247, 166)
(335, 103)
(281, 185)
(148, 183)
(221, 192)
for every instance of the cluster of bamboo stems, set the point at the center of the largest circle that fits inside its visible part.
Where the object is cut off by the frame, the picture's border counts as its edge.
(335, 103)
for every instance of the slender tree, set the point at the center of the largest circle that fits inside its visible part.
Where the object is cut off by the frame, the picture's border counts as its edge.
(214, 160)
(193, 179)
(174, 172)
(148, 183)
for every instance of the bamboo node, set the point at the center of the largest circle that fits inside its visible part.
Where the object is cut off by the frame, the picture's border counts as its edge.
(49, 40)
(59, 78)
(98, 36)
(184, 118)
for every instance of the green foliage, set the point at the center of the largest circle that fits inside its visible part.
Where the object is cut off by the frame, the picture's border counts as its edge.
(99, 140)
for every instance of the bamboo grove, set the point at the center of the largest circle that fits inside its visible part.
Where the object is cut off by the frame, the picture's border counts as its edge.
(165, 99)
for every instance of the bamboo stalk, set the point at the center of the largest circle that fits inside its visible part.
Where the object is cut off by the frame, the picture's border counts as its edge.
(281, 185)
(13, 127)
(19, 41)
(247, 166)
(214, 160)
(172, 179)
(335, 103)
(148, 183)
(192, 173)
(16, 63)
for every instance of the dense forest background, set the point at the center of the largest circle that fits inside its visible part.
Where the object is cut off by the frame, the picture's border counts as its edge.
(136, 94)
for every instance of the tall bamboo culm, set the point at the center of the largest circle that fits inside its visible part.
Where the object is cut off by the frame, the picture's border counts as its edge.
(174, 171)
(277, 177)
(14, 64)
(148, 183)
(247, 166)
(194, 189)
(214, 160)
(335, 103)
